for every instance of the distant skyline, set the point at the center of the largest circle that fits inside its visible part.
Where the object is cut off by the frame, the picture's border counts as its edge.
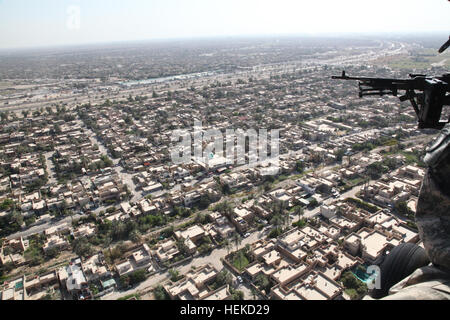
(42, 23)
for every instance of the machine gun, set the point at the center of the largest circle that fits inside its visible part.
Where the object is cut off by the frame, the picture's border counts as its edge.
(428, 102)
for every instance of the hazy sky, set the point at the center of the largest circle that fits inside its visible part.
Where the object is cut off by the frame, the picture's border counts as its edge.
(28, 23)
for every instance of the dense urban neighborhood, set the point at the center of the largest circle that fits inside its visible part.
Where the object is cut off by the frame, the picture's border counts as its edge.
(93, 207)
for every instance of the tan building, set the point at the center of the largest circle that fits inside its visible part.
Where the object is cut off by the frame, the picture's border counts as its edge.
(55, 242)
(193, 286)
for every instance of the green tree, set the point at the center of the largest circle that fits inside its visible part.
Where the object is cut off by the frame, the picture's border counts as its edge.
(254, 293)
(313, 203)
(34, 255)
(275, 232)
(52, 253)
(160, 293)
(204, 202)
(237, 240)
(174, 275)
(223, 277)
(124, 281)
(402, 208)
(262, 281)
(137, 276)
(354, 287)
(299, 166)
(227, 245)
(182, 247)
(241, 257)
(277, 220)
(135, 236)
(200, 218)
(339, 154)
(224, 208)
(6, 268)
(4, 116)
(82, 247)
(7, 204)
(237, 295)
(298, 210)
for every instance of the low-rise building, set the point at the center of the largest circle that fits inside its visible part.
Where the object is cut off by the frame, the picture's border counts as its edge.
(193, 286)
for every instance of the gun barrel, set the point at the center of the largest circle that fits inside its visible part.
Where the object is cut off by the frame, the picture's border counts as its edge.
(445, 46)
(432, 98)
(417, 82)
(373, 80)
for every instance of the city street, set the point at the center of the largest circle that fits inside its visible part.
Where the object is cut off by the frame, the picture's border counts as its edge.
(213, 258)
(125, 177)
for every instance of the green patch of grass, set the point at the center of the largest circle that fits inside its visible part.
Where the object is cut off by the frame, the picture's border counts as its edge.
(301, 175)
(355, 182)
(421, 59)
(128, 297)
(240, 263)
(390, 143)
(4, 278)
(300, 223)
(412, 225)
(412, 158)
(363, 205)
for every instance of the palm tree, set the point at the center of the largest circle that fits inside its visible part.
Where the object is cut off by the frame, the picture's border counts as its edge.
(182, 246)
(299, 211)
(135, 236)
(241, 257)
(227, 245)
(254, 293)
(237, 240)
(174, 275)
(277, 220)
(287, 219)
(226, 208)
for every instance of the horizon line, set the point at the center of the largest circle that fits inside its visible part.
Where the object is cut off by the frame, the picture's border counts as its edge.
(319, 34)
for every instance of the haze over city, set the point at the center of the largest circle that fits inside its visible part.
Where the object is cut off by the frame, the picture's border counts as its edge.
(27, 23)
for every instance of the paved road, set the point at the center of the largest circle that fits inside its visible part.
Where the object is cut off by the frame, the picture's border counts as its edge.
(213, 258)
(316, 211)
(267, 70)
(39, 228)
(125, 177)
(50, 167)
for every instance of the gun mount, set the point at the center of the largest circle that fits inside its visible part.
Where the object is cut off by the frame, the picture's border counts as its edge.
(428, 95)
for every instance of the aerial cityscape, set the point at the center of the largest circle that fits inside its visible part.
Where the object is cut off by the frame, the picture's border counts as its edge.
(93, 205)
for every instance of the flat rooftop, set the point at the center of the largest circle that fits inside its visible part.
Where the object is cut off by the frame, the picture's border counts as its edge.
(292, 238)
(221, 294)
(375, 242)
(310, 293)
(272, 257)
(326, 286)
(289, 272)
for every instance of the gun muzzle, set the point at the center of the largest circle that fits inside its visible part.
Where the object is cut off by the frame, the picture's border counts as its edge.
(445, 46)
